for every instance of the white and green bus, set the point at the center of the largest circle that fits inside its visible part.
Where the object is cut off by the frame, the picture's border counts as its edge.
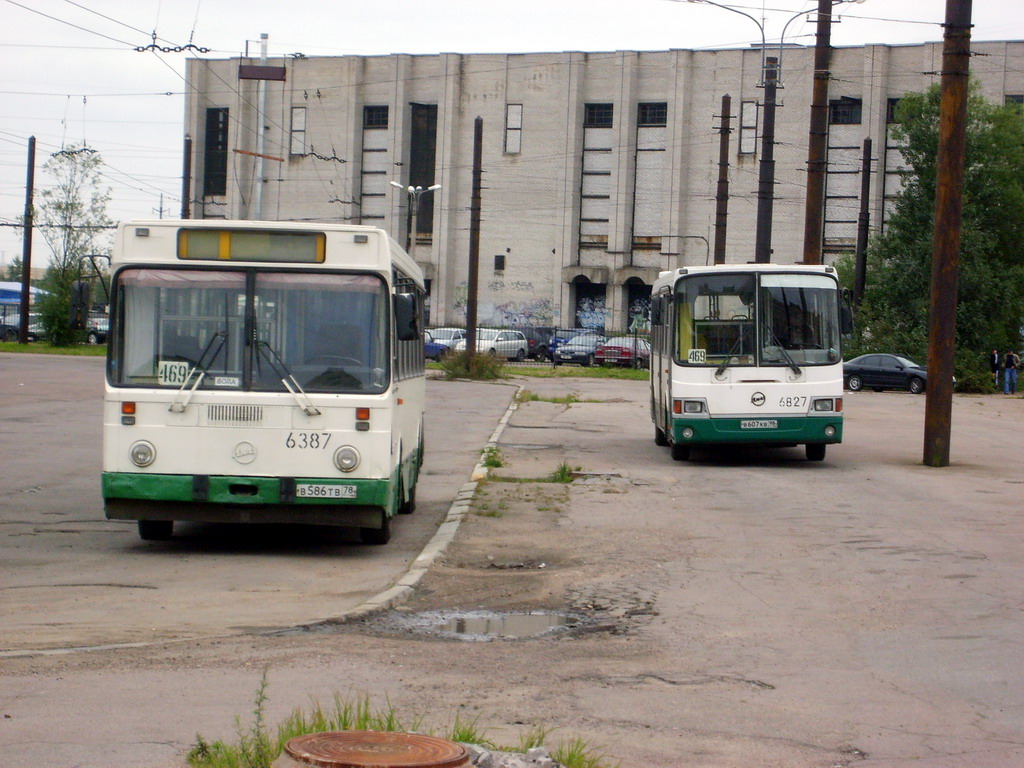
(262, 372)
(747, 354)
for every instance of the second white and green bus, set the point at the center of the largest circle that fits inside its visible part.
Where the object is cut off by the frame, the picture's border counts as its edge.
(747, 354)
(262, 372)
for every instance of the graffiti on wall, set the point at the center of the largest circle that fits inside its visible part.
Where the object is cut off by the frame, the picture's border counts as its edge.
(591, 312)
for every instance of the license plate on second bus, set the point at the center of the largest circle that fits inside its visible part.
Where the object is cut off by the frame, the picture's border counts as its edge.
(323, 491)
(759, 424)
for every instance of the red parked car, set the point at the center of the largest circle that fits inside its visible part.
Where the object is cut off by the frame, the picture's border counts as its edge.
(630, 351)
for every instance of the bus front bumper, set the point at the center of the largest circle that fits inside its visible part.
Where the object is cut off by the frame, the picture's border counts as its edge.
(778, 430)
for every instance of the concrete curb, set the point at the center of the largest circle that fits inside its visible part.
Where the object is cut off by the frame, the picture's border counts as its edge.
(404, 587)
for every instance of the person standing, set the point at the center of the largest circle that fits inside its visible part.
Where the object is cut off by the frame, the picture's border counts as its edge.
(1010, 364)
(995, 362)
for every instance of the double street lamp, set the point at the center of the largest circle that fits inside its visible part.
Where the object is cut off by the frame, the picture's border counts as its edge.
(415, 193)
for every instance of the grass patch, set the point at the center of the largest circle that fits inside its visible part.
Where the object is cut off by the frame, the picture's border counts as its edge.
(42, 348)
(563, 473)
(256, 747)
(532, 397)
(578, 372)
(462, 365)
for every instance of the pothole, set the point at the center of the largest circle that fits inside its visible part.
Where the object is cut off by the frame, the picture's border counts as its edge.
(483, 626)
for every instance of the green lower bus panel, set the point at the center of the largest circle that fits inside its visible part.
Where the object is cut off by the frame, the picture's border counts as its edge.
(784, 430)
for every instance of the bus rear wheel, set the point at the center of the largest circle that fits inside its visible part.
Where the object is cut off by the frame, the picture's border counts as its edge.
(659, 437)
(377, 536)
(156, 530)
(815, 451)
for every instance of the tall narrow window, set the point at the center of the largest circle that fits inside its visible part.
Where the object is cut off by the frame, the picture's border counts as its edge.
(513, 128)
(595, 193)
(298, 143)
(748, 128)
(376, 170)
(422, 159)
(215, 152)
(648, 196)
(891, 106)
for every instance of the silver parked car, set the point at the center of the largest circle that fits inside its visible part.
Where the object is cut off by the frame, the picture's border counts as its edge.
(511, 345)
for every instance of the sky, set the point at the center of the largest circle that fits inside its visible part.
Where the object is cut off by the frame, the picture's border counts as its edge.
(70, 72)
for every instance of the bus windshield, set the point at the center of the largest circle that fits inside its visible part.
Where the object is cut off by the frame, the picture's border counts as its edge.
(743, 319)
(247, 330)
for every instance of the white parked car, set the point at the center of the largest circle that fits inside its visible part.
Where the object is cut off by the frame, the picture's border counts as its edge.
(508, 344)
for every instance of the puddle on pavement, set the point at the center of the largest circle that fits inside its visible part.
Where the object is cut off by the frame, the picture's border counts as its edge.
(486, 625)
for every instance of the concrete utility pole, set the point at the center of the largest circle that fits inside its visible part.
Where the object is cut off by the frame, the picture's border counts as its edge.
(474, 235)
(186, 180)
(766, 174)
(26, 247)
(956, 57)
(863, 220)
(817, 144)
(722, 194)
(261, 133)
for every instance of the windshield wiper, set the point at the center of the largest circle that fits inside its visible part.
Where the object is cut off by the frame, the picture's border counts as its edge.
(212, 349)
(785, 353)
(287, 379)
(725, 363)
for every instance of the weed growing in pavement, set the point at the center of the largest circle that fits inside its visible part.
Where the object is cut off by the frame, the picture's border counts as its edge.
(563, 473)
(257, 749)
(492, 457)
(532, 397)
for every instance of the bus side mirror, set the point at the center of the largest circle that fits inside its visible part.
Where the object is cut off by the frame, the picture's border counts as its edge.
(79, 305)
(406, 319)
(845, 319)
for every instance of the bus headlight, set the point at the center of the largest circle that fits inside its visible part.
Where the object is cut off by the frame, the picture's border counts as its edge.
(346, 458)
(830, 431)
(142, 453)
(693, 406)
(824, 404)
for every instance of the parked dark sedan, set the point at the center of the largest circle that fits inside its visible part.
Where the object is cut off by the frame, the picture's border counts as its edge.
(581, 349)
(884, 372)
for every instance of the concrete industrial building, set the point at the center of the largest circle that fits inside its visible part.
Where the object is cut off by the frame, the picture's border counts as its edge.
(599, 169)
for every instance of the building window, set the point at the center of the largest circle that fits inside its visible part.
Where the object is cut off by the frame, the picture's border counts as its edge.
(1015, 98)
(748, 128)
(890, 110)
(513, 128)
(598, 115)
(375, 117)
(652, 114)
(422, 158)
(298, 144)
(215, 152)
(844, 111)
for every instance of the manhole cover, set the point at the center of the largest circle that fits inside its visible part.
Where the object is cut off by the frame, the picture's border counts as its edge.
(368, 749)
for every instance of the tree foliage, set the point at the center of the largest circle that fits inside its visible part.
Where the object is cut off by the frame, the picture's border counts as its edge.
(990, 305)
(72, 216)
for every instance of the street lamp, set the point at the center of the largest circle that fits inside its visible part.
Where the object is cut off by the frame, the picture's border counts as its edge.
(415, 193)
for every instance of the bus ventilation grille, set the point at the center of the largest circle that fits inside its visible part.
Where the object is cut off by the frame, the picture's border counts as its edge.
(234, 415)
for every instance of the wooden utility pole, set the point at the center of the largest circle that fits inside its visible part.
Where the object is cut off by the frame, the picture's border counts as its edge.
(26, 246)
(863, 220)
(956, 56)
(766, 174)
(817, 144)
(474, 236)
(722, 194)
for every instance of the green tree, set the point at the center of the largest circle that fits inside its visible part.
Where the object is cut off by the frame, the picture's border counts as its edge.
(13, 272)
(72, 217)
(990, 307)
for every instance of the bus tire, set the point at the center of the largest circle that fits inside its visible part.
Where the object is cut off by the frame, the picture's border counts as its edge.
(156, 530)
(815, 451)
(377, 536)
(659, 437)
(680, 452)
(408, 506)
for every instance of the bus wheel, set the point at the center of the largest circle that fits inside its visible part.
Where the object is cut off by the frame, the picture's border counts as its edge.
(377, 536)
(659, 437)
(155, 530)
(815, 451)
(680, 452)
(408, 506)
